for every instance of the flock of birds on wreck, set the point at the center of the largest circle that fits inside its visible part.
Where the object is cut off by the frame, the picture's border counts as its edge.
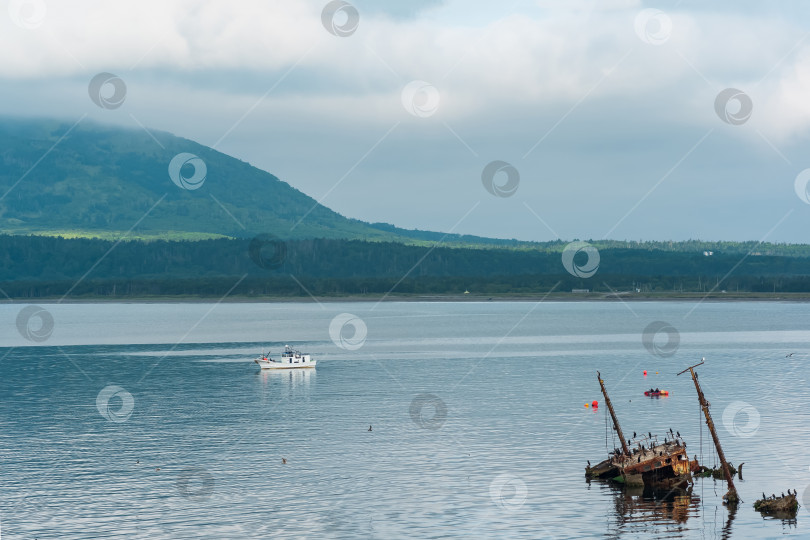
(668, 464)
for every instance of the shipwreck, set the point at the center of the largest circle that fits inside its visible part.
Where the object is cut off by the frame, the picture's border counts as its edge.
(784, 506)
(645, 461)
(731, 496)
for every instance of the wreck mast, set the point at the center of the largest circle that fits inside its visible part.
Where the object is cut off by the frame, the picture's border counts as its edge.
(613, 416)
(730, 497)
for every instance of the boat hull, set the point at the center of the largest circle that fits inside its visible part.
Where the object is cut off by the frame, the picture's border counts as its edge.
(663, 466)
(605, 469)
(294, 364)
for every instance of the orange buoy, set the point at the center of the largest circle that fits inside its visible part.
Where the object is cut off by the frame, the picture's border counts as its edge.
(595, 404)
(586, 405)
(645, 372)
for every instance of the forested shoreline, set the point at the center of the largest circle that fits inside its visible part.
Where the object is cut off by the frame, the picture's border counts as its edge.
(45, 267)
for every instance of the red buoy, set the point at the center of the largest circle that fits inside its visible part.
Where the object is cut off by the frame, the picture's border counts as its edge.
(645, 372)
(595, 404)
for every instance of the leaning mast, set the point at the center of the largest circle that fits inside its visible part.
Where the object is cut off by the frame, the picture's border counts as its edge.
(730, 497)
(613, 416)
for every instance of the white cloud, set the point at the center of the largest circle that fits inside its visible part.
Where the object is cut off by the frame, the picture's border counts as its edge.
(574, 70)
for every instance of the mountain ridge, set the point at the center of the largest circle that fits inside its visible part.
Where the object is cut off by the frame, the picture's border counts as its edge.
(93, 180)
(79, 179)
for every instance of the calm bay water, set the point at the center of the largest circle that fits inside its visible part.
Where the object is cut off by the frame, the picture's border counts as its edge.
(150, 421)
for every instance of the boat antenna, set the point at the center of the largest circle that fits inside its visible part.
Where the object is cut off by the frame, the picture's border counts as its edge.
(730, 497)
(613, 415)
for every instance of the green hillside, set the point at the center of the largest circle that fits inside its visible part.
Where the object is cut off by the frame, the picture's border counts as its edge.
(99, 181)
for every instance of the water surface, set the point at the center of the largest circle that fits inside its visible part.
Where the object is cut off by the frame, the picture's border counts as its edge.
(150, 421)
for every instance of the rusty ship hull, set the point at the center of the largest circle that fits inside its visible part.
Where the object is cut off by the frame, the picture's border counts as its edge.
(664, 465)
(646, 463)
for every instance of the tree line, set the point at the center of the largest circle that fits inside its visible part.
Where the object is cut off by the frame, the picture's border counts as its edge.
(39, 266)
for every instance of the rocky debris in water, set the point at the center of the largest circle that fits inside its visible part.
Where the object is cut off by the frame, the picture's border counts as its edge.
(706, 472)
(786, 504)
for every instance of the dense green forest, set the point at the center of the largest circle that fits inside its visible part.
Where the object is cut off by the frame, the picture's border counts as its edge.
(37, 266)
(73, 192)
(101, 180)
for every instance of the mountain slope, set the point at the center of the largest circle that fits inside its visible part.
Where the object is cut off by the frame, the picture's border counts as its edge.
(97, 180)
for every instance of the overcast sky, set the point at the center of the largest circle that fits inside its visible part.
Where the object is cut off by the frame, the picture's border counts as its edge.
(605, 113)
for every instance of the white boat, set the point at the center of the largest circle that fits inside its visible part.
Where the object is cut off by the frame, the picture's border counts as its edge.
(290, 359)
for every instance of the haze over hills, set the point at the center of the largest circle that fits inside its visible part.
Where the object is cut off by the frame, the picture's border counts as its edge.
(91, 180)
(97, 180)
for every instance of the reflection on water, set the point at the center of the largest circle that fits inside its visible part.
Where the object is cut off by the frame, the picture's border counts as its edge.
(642, 508)
(788, 519)
(638, 508)
(286, 383)
(67, 471)
(732, 513)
